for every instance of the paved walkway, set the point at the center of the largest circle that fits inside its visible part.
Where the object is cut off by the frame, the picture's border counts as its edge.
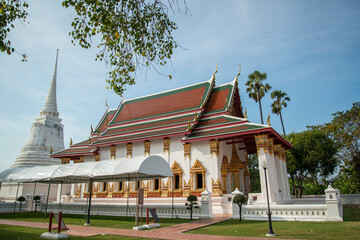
(174, 232)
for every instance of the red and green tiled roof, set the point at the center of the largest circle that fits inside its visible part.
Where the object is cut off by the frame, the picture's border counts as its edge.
(108, 115)
(176, 101)
(219, 99)
(207, 109)
(75, 151)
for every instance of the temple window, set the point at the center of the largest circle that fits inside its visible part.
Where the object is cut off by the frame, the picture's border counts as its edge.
(156, 184)
(176, 181)
(137, 185)
(113, 152)
(177, 178)
(197, 176)
(199, 181)
(120, 186)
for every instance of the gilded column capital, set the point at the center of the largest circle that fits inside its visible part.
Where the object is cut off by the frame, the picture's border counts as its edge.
(277, 151)
(265, 142)
(214, 147)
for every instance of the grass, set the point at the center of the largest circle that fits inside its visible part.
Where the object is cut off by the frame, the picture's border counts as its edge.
(349, 229)
(96, 221)
(15, 232)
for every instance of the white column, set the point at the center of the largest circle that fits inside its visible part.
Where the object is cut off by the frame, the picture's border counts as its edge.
(264, 146)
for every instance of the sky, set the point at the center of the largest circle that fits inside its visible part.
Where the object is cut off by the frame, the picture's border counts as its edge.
(309, 49)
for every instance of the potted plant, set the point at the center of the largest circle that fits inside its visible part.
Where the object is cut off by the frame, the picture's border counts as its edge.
(239, 199)
(192, 203)
(20, 199)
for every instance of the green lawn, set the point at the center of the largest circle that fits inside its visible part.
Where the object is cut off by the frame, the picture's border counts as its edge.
(96, 221)
(18, 233)
(349, 229)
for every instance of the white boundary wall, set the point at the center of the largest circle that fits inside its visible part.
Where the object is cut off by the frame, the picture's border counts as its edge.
(330, 210)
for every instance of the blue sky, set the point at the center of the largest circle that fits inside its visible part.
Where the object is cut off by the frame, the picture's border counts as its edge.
(309, 49)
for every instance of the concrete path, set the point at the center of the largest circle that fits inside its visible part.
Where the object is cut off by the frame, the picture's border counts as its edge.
(174, 232)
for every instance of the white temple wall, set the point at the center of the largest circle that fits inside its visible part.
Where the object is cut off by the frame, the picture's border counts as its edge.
(104, 153)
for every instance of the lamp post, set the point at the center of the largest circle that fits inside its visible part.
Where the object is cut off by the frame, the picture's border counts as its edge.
(271, 232)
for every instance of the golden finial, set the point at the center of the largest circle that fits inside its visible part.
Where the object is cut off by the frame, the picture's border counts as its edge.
(107, 121)
(71, 141)
(98, 133)
(236, 78)
(213, 76)
(189, 126)
(245, 115)
(268, 120)
(51, 150)
(89, 140)
(196, 116)
(106, 104)
(92, 130)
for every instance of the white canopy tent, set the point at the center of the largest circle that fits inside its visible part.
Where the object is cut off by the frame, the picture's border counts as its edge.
(108, 170)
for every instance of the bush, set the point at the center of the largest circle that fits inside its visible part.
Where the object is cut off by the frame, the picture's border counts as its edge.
(191, 198)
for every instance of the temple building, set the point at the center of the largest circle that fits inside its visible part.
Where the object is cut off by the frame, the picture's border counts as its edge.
(203, 133)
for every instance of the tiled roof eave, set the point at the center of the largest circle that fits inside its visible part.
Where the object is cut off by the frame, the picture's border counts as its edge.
(141, 139)
(224, 135)
(157, 117)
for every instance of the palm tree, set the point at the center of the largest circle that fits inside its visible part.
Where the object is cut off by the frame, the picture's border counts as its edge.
(256, 89)
(280, 101)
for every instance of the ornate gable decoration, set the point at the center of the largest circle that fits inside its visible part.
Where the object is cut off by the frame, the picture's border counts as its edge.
(197, 167)
(129, 150)
(215, 147)
(166, 145)
(225, 167)
(147, 148)
(235, 160)
(187, 150)
(113, 152)
(175, 168)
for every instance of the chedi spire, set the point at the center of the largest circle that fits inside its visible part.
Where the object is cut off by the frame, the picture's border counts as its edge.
(50, 106)
(46, 134)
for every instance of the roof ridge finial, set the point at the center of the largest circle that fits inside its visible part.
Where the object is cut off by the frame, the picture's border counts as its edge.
(50, 105)
(236, 78)
(213, 76)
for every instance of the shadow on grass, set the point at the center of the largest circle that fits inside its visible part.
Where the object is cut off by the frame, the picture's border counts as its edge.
(351, 213)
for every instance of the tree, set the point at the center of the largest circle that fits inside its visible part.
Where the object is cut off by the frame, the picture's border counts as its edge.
(254, 173)
(20, 199)
(256, 89)
(192, 203)
(36, 200)
(344, 129)
(130, 34)
(239, 199)
(280, 101)
(10, 10)
(313, 156)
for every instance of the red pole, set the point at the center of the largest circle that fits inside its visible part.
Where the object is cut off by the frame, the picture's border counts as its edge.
(59, 223)
(147, 216)
(50, 221)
